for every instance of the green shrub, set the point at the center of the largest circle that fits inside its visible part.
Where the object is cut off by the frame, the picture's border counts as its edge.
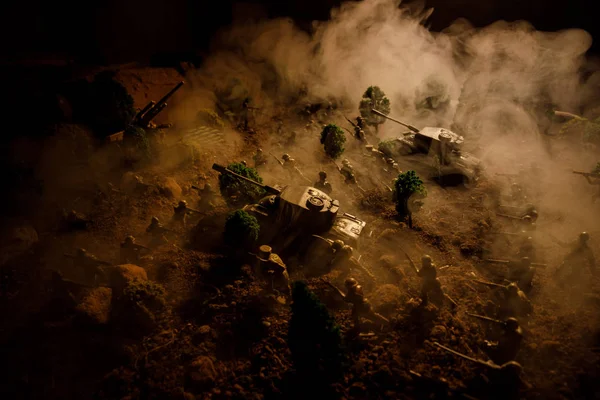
(314, 338)
(146, 294)
(406, 185)
(387, 147)
(232, 187)
(241, 229)
(109, 107)
(375, 98)
(136, 138)
(333, 139)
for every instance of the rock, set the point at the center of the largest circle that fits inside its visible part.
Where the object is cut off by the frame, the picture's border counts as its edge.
(170, 188)
(18, 240)
(202, 372)
(387, 261)
(128, 182)
(386, 299)
(204, 330)
(121, 275)
(439, 331)
(96, 305)
(358, 390)
(188, 396)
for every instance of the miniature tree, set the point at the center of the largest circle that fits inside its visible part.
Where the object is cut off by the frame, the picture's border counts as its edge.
(314, 337)
(387, 147)
(138, 307)
(110, 108)
(596, 169)
(406, 185)
(136, 139)
(374, 98)
(236, 191)
(241, 229)
(333, 139)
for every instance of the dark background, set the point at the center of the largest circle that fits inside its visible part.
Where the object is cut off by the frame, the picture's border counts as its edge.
(115, 31)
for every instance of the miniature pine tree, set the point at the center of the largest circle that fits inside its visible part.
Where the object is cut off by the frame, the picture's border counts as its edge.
(241, 229)
(333, 139)
(314, 338)
(374, 98)
(111, 107)
(235, 190)
(136, 139)
(406, 185)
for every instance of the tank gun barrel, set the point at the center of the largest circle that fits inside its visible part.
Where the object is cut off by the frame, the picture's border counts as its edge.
(226, 171)
(412, 128)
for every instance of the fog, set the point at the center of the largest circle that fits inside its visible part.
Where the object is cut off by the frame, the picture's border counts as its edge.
(497, 86)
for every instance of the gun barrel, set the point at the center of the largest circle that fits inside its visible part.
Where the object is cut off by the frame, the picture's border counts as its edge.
(159, 106)
(412, 128)
(496, 261)
(460, 354)
(226, 171)
(171, 93)
(483, 317)
(488, 283)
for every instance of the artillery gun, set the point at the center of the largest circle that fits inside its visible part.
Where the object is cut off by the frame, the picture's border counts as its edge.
(152, 109)
(296, 218)
(438, 148)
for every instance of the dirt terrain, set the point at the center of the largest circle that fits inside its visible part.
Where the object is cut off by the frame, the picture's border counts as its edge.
(222, 336)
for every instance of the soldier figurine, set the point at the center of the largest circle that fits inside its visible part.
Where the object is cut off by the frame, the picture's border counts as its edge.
(322, 183)
(288, 162)
(431, 288)
(180, 213)
(207, 196)
(527, 249)
(259, 159)
(515, 303)
(348, 172)
(344, 260)
(580, 254)
(522, 272)
(157, 232)
(270, 266)
(244, 113)
(594, 180)
(508, 345)
(130, 251)
(360, 122)
(90, 265)
(360, 305)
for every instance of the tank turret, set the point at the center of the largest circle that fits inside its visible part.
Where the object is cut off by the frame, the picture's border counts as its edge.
(291, 215)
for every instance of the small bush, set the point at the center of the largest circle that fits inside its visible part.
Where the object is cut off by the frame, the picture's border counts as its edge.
(241, 229)
(387, 147)
(145, 293)
(333, 139)
(235, 190)
(314, 338)
(375, 98)
(136, 139)
(108, 107)
(406, 185)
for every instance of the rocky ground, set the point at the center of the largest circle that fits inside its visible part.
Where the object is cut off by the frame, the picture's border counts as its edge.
(221, 335)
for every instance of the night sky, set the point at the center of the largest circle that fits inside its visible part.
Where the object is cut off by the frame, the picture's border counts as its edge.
(136, 30)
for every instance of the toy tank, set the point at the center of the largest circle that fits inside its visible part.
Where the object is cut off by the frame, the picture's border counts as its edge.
(289, 217)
